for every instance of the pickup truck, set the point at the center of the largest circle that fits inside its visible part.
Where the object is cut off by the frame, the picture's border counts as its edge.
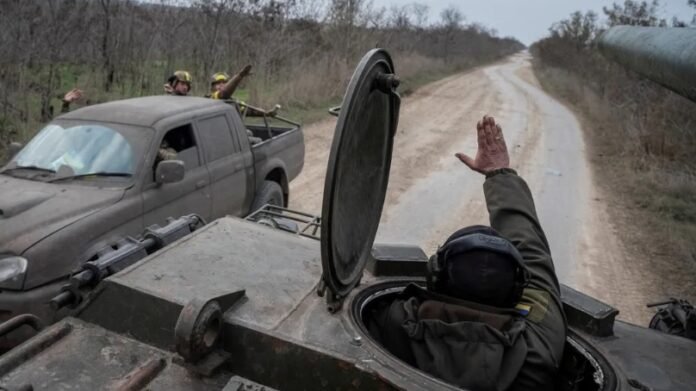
(95, 175)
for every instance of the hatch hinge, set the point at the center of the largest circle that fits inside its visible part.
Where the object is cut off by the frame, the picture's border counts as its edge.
(334, 301)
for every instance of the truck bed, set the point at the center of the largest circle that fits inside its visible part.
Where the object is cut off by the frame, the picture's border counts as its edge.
(267, 133)
(276, 139)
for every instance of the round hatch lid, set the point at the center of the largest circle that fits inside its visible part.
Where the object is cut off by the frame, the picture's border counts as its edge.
(358, 171)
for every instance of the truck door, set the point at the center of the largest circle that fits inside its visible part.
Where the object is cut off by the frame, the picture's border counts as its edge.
(239, 130)
(191, 194)
(226, 165)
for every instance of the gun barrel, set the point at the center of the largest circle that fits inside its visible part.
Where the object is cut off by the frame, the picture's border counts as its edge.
(665, 55)
(61, 300)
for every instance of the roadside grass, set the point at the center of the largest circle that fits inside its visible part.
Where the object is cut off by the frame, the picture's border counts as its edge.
(652, 196)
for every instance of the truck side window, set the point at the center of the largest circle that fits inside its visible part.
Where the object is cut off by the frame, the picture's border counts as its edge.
(182, 140)
(216, 137)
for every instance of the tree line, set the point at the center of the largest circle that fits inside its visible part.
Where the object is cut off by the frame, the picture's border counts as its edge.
(641, 137)
(660, 122)
(302, 51)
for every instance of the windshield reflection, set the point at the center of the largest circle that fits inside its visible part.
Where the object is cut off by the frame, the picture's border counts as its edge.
(84, 148)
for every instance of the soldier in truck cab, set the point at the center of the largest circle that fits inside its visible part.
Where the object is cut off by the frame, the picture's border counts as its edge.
(491, 317)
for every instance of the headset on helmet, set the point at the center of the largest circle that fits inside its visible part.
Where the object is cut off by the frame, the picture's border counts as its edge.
(472, 239)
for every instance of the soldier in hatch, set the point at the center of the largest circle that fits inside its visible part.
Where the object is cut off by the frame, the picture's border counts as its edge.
(491, 318)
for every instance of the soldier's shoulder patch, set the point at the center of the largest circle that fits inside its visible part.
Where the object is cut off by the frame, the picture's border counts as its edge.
(523, 309)
(534, 304)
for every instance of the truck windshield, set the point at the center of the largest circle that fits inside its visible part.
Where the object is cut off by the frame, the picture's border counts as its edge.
(85, 148)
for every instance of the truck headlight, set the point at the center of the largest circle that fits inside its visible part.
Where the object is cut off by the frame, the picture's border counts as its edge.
(12, 271)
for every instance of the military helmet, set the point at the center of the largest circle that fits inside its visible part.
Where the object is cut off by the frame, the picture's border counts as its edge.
(477, 264)
(180, 76)
(220, 77)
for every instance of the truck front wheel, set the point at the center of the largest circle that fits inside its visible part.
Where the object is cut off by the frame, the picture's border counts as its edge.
(270, 193)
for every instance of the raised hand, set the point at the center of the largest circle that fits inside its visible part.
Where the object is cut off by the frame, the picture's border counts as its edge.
(73, 95)
(492, 152)
(246, 71)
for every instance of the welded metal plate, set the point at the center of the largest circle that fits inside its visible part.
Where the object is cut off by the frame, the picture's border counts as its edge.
(276, 269)
(75, 355)
(358, 171)
(649, 359)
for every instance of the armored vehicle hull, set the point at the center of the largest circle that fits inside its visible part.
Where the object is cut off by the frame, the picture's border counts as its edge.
(278, 332)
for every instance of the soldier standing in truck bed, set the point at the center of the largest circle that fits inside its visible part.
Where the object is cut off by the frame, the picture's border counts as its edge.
(179, 83)
(491, 318)
(222, 86)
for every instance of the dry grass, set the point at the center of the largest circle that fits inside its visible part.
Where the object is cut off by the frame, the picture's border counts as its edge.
(642, 160)
(313, 86)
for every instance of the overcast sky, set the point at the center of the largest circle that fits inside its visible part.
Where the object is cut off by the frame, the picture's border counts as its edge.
(529, 20)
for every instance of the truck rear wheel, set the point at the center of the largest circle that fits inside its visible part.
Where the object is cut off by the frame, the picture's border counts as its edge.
(270, 193)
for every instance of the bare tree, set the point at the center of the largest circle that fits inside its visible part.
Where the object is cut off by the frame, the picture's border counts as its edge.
(634, 13)
(581, 29)
(105, 45)
(452, 19)
(420, 15)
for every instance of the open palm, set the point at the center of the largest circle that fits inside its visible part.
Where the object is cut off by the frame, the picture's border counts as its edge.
(492, 153)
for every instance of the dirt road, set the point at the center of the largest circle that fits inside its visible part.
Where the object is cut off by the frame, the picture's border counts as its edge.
(431, 193)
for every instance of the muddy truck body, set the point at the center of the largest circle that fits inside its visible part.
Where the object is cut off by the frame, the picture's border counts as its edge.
(95, 175)
(238, 305)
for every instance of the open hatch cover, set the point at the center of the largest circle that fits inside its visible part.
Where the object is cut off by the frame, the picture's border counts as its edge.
(357, 174)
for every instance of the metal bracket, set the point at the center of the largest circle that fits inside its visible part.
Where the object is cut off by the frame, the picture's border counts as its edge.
(334, 302)
(335, 111)
(199, 327)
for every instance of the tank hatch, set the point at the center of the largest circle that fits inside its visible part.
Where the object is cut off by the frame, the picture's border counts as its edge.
(357, 174)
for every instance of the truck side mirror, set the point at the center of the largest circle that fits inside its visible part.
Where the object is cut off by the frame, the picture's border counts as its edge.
(13, 148)
(169, 171)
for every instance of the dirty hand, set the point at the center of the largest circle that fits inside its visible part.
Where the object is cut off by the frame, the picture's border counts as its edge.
(246, 71)
(72, 95)
(492, 152)
(168, 89)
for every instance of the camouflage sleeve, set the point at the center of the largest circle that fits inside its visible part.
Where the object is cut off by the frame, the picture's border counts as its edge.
(65, 107)
(253, 112)
(512, 213)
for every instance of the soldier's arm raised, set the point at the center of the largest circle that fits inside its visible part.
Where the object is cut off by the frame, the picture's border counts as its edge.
(510, 204)
(231, 86)
(71, 96)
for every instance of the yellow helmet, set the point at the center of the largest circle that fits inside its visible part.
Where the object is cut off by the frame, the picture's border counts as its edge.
(220, 77)
(180, 76)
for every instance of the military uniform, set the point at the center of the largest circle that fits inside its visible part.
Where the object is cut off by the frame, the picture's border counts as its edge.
(64, 108)
(165, 153)
(476, 346)
(241, 106)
